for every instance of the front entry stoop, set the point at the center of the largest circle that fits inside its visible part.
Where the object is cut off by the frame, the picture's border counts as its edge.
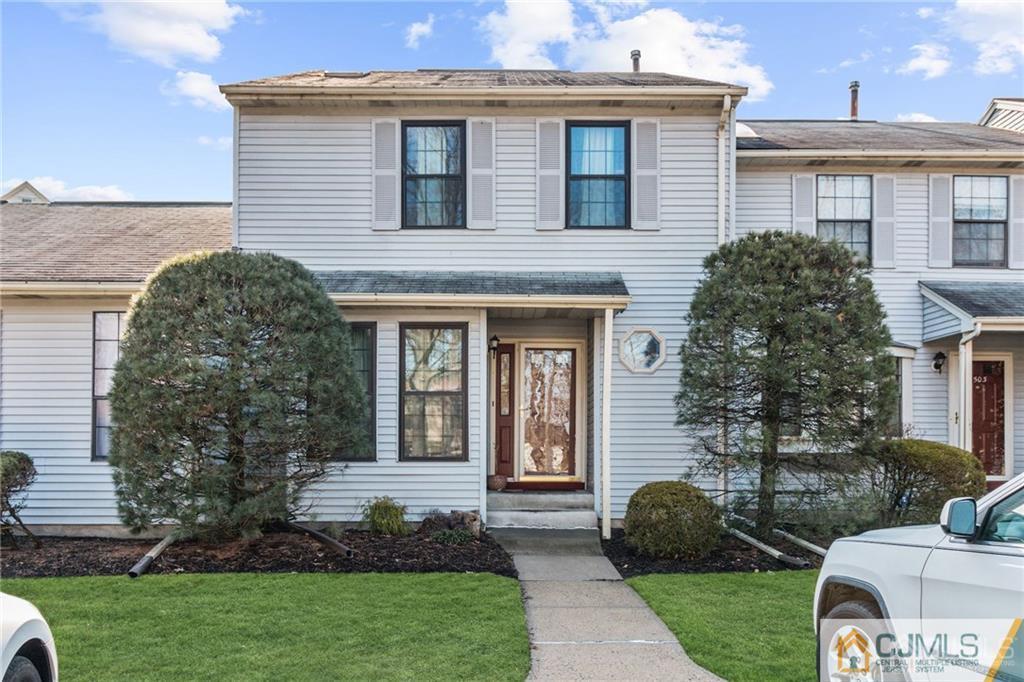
(536, 509)
(584, 622)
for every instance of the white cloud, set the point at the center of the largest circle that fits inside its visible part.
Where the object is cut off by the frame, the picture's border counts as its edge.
(994, 29)
(222, 143)
(925, 12)
(864, 56)
(520, 35)
(58, 190)
(523, 34)
(163, 32)
(417, 31)
(932, 61)
(198, 88)
(916, 117)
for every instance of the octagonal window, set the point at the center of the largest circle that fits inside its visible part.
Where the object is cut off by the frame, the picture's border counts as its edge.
(642, 350)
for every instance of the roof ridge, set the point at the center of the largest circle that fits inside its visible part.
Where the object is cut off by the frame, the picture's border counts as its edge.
(136, 204)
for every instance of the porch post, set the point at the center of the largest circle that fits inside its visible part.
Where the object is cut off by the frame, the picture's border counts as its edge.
(606, 418)
(967, 387)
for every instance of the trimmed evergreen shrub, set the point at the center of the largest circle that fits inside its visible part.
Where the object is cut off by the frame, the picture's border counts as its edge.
(452, 536)
(672, 520)
(385, 516)
(234, 389)
(914, 478)
(17, 473)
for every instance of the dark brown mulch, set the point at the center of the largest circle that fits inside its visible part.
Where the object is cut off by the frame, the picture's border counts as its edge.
(273, 553)
(731, 556)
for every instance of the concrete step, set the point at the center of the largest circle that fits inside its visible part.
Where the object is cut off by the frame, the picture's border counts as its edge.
(540, 500)
(549, 542)
(559, 519)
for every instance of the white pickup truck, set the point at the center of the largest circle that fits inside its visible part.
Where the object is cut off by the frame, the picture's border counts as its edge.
(969, 566)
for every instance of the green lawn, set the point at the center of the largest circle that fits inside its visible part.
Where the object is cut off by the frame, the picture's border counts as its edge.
(745, 627)
(284, 626)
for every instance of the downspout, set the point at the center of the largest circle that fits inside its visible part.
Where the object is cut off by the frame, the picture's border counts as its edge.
(966, 374)
(723, 120)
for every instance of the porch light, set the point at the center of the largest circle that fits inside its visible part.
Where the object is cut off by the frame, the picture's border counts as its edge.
(492, 345)
(938, 360)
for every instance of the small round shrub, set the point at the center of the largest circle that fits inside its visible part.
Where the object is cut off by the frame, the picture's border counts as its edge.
(17, 473)
(914, 478)
(385, 516)
(672, 520)
(452, 536)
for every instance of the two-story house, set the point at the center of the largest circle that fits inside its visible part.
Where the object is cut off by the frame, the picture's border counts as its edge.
(516, 252)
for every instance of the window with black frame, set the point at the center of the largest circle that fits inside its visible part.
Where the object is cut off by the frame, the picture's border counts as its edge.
(364, 354)
(433, 174)
(434, 386)
(597, 184)
(979, 221)
(107, 329)
(844, 211)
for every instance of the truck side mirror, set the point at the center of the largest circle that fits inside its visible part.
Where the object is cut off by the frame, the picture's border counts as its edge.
(959, 517)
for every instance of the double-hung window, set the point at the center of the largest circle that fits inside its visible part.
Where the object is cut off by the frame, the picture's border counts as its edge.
(433, 397)
(844, 211)
(433, 174)
(364, 353)
(107, 328)
(979, 221)
(597, 191)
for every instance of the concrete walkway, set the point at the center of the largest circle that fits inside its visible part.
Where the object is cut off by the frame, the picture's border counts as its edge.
(584, 622)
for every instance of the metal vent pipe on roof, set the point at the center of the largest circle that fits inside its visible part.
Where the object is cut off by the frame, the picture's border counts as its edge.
(635, 56)
(854, 91)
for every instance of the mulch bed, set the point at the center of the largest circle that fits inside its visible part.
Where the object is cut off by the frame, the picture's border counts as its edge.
(731, 556)
(278, 552)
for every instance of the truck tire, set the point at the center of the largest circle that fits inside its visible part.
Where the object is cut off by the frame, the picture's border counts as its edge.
(870, 624)
(22, 670)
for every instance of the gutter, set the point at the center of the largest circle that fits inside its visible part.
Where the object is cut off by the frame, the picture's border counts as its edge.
(723, 121)
(966, 374)
(1016, 155)
(633, 92)
(68, 288)
(481, 300)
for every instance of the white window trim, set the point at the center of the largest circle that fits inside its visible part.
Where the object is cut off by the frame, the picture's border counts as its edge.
(642, 370)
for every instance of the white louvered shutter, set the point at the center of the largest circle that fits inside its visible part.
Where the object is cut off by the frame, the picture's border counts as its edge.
(940, 221)
(1016, 226)
(883, 239)
(386, 176)
(550, 182)
(803, 205)
(480, 190)
(646, 174)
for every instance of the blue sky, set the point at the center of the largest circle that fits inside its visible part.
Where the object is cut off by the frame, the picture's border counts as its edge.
(118, 101)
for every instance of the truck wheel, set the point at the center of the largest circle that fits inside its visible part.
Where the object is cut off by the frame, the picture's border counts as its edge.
(22, 670)
(858, 643)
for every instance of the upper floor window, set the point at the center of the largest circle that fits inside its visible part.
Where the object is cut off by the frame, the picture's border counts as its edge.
(597, 194)
(979, 221)
(107, 329)
(433, 174)
(844, 211)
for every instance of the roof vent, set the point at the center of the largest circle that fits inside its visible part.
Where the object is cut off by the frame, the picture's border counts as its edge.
(854, 91)
(344, 74)
(743, 130)
(635, 56)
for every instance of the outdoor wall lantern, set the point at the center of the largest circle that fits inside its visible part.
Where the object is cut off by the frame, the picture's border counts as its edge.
(492, 345)
(938, 360)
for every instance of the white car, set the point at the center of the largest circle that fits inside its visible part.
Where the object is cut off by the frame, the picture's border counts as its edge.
(969, 566)
(27, 644)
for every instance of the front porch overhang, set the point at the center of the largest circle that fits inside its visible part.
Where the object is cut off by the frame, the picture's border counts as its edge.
(953, 308)
(585, 292)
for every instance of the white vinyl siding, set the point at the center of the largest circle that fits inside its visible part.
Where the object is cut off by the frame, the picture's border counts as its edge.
(46, 407)
(661, 269)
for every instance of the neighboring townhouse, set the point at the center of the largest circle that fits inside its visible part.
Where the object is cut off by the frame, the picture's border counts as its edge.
(939, 210)
(517, 251)
(67, 272)
(24, 193)
(1006, 113)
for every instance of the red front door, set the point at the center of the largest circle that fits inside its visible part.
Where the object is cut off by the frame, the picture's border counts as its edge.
(989, 415)
(505, 411)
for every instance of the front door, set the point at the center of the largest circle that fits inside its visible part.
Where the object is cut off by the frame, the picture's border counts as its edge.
(989, 415)
(548, 403)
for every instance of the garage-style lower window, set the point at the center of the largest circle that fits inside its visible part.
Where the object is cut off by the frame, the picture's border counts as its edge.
(433, 367)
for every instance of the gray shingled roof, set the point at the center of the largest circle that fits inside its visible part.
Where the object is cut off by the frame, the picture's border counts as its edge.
(104, 242)
(486, 283)
(474, 78)
(877, 135)
(982, 299)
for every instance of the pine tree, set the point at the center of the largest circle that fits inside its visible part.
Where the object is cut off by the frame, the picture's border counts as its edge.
(235, 386)
(786, 362)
